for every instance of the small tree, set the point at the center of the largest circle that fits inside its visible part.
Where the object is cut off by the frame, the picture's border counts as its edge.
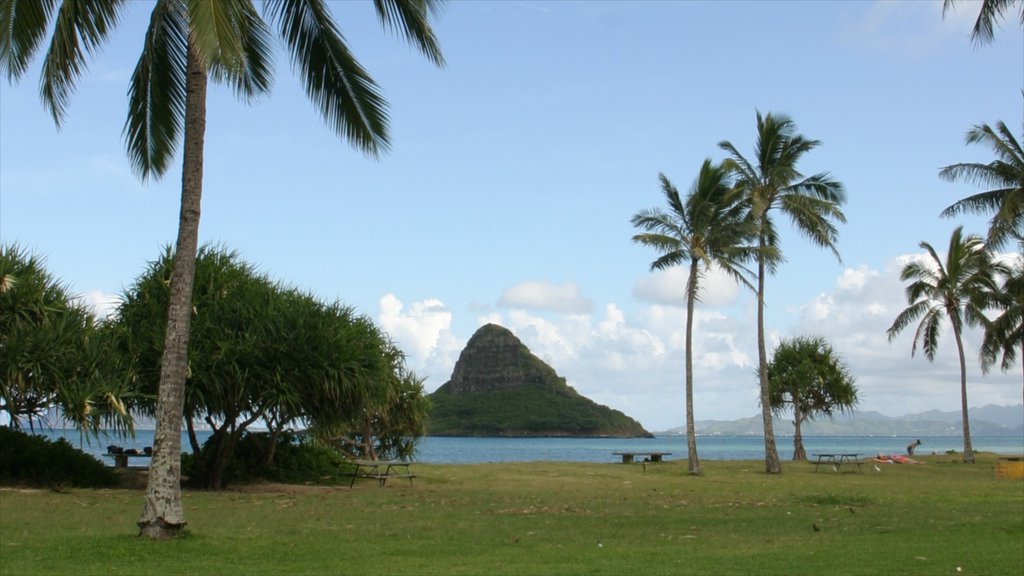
(808, 376)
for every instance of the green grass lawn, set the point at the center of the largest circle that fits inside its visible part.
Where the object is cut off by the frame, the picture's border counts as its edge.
(943, 517)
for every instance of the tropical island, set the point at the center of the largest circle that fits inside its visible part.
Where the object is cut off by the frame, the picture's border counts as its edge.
(499, 388)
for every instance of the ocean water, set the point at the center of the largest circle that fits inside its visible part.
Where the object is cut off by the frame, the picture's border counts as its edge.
(447, 450)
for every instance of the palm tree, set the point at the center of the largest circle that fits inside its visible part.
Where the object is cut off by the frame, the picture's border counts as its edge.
(807, 374)
(708, 230)
(1005, 334)
(989, 15)
(772, 182)
(1005, 174)
(960, 289)
(187, 43)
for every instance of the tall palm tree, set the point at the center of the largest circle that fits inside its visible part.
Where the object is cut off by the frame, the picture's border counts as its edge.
(1006, 174)
(991, 12)
(960, 289)
(708, 230)
(770, 182)
(187, 43)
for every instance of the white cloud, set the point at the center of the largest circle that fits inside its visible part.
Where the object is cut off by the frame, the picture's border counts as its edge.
(908, 30)
(100, 304)
(633, 359)
(668, 287)
(424, 334)
(564, 298)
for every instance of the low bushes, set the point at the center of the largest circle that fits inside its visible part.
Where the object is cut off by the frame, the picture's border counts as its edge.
(37, 461)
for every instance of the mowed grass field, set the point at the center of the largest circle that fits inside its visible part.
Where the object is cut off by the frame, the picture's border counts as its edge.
(943, 517)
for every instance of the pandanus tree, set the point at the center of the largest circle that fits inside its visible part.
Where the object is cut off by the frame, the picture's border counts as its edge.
(771, 182)
(706, 231)
(809, 377)
(958, 288)
(52, 353)
(187, 43)
(259, 352)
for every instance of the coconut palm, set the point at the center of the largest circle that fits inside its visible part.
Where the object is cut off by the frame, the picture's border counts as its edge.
(960, 289)
(186, 44)
(1005, 174)
(1005, 335)
(708, 230)
(771, 181)
(991, 12)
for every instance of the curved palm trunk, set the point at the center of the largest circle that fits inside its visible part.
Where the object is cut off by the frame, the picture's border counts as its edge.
(772, 465)
(691, 432)
(163, 516)
(968, 449)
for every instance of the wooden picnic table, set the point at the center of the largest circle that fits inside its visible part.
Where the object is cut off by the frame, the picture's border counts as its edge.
(627, 457)
(837, 460)
(381, 470)
(121, 458)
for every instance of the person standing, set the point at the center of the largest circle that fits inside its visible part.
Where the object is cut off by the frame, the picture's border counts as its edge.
(912, 446)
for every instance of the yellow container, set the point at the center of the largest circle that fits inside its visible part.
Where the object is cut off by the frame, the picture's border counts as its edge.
(1011, 468)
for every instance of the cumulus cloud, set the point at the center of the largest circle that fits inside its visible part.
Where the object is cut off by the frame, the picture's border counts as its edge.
(424, 333)
(668, 287)
(100, 304)
(632, 357)
(563, 298)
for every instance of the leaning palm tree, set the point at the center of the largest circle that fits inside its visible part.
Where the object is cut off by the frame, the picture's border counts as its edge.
(771, 181)
(960, 289)
(992, 11)
(187, 43)
(1005, 174)
(708, 230)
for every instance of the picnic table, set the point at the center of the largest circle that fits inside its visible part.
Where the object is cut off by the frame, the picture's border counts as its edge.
(381, 470)
(627, 457)
(837, 461)
(121, 458)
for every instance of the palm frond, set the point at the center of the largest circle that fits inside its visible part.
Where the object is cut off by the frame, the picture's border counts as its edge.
(156, 95)
(23, 25)
(250, 77)
(411, 19)
(347, 97)
(81, 27)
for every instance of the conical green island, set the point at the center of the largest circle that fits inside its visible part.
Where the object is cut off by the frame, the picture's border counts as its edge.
(499, 388)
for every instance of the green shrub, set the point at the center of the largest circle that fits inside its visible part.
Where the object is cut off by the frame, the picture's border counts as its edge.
(36, 461)
(297, 460)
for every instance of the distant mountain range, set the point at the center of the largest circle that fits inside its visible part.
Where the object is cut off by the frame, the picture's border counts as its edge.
(988, 420)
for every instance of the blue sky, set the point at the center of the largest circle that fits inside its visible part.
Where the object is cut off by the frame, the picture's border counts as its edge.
(514, 172)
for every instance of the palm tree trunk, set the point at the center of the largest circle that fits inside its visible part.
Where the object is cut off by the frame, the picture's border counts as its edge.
(772, 464)
(163, 516)
(691, 432)
(968, 449)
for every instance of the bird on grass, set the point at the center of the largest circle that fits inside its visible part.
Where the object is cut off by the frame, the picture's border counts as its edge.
(815, 526)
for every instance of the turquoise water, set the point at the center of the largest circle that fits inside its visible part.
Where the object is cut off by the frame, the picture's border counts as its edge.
(444, 450)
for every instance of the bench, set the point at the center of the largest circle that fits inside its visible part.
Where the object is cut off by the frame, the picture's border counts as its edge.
(381, 470)
(627, 457)
(837, 461)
